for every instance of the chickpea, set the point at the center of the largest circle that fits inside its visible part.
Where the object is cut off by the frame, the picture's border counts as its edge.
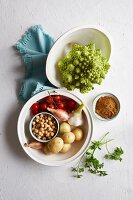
(38, 126)
(33, 123)
(46, 125)
(41, 115)
(48, 134)
(41, 129)
(40, 133)
(36, 130)
(48, 128)
(37, 117)
(50, 123)
(52, 134)
(53, 127)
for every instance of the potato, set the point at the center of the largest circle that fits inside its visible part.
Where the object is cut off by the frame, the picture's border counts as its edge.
(66, 148)
(64, 127)
(78, 134)
(68, 138)
(46, 150)
(56, 145)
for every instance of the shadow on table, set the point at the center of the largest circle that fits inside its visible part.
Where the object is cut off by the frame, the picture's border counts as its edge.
(11, 120)
(11, 133)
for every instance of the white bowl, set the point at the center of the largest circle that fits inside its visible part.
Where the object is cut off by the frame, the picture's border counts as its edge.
(82, 35)
(109, 95)
(78, 148)
(33, 135)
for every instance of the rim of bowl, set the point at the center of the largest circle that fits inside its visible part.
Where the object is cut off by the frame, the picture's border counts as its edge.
(101, 95)
(30, 127)
(62, 162)
(97, 28)
(62, 36)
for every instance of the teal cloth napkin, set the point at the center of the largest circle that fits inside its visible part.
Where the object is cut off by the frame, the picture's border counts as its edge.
(34, 47)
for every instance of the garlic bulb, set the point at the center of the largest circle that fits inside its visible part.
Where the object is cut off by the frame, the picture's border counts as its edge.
(76, 118)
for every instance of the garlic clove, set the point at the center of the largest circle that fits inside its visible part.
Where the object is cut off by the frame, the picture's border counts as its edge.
(34, 145)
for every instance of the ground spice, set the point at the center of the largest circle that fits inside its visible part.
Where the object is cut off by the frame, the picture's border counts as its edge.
(106, 107)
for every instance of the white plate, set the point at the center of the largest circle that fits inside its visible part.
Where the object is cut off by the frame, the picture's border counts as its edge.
(78, 148)
(82, 35)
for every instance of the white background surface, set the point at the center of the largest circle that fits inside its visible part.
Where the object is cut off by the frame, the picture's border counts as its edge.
(20, 177)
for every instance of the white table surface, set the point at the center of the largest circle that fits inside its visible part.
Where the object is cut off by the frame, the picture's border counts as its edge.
(22, 178)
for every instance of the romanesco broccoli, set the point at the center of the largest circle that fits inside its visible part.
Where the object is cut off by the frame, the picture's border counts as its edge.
(83, 67)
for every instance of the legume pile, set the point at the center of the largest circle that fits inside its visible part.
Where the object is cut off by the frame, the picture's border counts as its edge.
(44, 126)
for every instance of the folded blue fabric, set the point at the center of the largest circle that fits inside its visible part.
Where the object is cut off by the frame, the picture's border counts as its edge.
(34, 47)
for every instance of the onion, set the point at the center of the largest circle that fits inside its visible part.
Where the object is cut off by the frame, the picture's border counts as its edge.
(60, 114)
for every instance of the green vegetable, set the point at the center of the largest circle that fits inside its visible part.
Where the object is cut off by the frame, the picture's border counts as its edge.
(83, 62)
(116, 155)
(91, 163)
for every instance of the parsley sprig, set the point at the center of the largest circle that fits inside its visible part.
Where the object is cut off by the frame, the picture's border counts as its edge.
(116, 155)
(91, 163)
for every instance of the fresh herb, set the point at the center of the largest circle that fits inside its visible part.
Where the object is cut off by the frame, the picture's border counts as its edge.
(89, 162)
(116, 155)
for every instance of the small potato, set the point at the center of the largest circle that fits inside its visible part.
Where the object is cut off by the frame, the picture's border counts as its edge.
(68, 138)
(78, 134)
(65, 127)
(66, 148)
(56, 145)
(46, 150)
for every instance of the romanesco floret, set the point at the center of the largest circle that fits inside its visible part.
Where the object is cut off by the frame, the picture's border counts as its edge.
(82, 67)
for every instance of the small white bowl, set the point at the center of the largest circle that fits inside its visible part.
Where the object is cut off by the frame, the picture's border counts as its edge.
(78, 148)
(33, 135)
(102, 95)
(82, 35)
